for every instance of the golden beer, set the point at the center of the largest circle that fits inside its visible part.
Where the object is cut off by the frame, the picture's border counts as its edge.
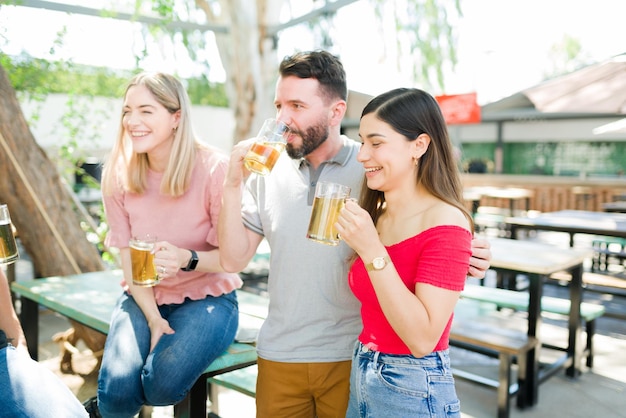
(323, 218)
(262, 156)
(142, 261)
(270, 142)
(8, 247)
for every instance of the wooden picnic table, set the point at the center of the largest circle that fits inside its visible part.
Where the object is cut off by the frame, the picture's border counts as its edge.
(619, 206)
(510, 194)
(537, 261)
(89, 298)
(571, 222)
(473, 197)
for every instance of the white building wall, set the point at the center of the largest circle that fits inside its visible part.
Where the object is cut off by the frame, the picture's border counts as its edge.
(98, 120)
(572, 130)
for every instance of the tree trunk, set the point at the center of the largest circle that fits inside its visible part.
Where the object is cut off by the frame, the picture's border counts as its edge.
(249, 59)
(41, 206)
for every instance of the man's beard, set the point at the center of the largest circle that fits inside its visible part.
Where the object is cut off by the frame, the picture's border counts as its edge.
(311, 140)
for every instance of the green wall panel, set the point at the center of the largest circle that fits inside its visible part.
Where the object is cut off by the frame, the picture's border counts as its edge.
(606, 159)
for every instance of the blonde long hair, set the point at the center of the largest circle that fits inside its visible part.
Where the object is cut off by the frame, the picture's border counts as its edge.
(128, 170)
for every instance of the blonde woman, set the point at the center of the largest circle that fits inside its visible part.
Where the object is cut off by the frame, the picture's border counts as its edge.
(160, 180)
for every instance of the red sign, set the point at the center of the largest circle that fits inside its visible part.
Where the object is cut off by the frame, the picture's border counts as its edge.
(459, 108)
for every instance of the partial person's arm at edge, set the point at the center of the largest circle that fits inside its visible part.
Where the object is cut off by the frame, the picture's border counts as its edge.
(9, 321)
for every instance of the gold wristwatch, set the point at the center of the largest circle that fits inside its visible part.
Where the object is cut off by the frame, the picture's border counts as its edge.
(378, 263)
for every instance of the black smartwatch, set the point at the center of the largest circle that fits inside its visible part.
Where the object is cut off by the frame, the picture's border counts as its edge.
(193, 262)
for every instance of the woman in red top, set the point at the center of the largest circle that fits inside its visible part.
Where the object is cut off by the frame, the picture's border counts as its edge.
(412, 235)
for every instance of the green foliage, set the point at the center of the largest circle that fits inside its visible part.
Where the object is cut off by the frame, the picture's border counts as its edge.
(425, 36)
(566, 56)
(163, 7)
(39, 77)
(203, 92)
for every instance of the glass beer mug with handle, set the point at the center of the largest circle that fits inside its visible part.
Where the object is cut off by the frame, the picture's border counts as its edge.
(329, 199)
(270, 143)
(142, 260)
(8, 246)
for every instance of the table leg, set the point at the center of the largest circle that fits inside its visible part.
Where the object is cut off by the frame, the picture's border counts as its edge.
(10, 273)
(194, 404)
(29, 318)
(534, 324)
(475, 206)
(574, 349)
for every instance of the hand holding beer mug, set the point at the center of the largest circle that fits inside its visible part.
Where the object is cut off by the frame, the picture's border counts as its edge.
(142, 260)
(264, 152)
(8, 247)
(329, 199)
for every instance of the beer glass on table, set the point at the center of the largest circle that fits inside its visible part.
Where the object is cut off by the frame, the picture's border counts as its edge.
(142, 260)
(329, 199)
(8, 246)
(270, 143)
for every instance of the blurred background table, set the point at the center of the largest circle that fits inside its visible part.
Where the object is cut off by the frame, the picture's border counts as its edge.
(571, 222)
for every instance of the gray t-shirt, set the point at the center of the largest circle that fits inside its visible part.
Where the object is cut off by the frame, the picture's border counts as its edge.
(313, 315)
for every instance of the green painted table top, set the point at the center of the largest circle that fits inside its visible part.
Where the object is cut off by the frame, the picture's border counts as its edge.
(89, 298)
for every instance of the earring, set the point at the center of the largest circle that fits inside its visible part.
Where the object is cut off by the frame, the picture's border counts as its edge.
(415, 160)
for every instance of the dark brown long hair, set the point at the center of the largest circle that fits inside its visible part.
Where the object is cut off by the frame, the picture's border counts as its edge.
(412, 112)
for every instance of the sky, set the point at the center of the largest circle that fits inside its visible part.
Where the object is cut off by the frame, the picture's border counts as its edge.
(503, 45)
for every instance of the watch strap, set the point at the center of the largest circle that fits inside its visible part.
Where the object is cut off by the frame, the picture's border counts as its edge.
(193, 262)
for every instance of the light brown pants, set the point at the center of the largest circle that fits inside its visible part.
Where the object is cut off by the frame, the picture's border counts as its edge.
(302, 390)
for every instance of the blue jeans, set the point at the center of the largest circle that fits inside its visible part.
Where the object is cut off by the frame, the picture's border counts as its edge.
(30, 390)
(131, 376)
(399, 386)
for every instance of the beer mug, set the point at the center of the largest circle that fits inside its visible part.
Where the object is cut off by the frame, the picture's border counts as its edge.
(270, 143)
(8, 246)
(329, 199)
(142, 260)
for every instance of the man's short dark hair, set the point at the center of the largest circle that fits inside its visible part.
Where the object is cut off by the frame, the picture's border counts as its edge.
(323, 66)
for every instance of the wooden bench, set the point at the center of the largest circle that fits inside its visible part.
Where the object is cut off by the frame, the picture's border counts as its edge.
(504, 298)
(242, 380)
(483, 333)
(600, 283)
(90, 298)
(488, 217)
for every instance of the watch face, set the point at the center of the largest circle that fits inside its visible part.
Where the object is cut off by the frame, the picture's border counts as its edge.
(379, 263)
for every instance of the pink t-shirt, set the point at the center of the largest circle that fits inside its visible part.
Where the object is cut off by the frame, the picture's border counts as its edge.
(438, 256)
(188, 221)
